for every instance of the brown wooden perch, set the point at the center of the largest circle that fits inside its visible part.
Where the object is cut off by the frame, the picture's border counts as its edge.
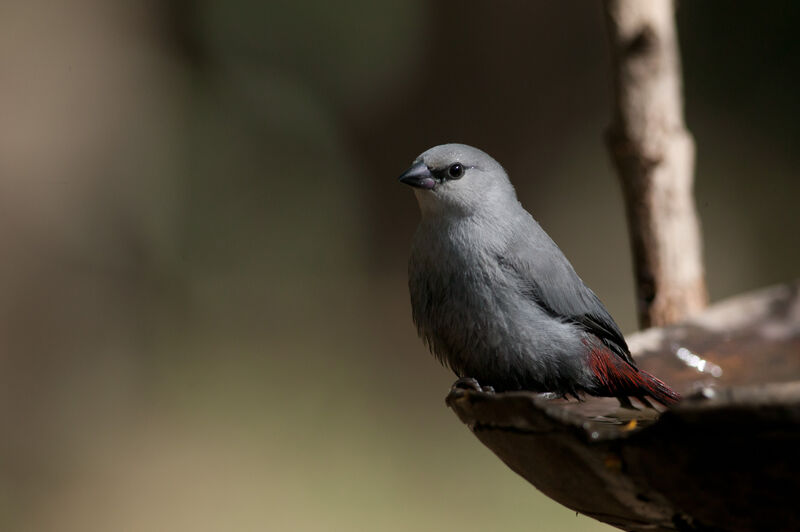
(726, 458)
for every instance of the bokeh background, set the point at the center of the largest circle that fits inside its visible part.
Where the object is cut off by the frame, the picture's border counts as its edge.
(204, 322)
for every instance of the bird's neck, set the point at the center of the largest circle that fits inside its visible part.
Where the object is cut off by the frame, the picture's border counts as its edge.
(483, 231)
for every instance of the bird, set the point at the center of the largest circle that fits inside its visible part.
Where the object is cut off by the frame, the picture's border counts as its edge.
(496, 300)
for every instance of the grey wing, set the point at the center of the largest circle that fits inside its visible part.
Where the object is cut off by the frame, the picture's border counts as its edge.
(547, 277)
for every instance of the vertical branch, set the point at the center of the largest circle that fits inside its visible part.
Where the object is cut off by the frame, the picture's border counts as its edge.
(654, 156)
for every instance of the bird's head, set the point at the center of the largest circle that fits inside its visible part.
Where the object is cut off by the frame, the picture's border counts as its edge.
(458, 180)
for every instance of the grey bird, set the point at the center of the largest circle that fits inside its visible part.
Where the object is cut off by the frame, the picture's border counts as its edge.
(496, 300)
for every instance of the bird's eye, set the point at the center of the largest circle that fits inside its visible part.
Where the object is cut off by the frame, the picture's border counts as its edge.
(456, 170)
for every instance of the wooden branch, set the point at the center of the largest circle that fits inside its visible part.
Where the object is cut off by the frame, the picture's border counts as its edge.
(654, 156)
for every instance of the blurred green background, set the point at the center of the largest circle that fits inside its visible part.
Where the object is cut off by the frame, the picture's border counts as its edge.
(205, 323)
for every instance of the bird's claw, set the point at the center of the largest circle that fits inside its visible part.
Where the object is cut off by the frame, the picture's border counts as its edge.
(467, 383)
(470, 384)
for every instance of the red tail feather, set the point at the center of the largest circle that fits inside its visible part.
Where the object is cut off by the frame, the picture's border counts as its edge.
(618, 378)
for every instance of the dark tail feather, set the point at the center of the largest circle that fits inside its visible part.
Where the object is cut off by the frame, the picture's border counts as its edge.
(617, 378)
(658, 390)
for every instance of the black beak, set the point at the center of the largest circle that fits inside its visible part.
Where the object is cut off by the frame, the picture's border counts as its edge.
(418, 176)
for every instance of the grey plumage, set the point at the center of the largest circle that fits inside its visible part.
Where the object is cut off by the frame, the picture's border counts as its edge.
(494, 297)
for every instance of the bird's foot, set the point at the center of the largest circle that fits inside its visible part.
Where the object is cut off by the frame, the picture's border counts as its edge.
(470, 384)
(625, 402)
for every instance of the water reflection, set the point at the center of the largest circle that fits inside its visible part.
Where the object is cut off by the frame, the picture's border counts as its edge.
(694, 361)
